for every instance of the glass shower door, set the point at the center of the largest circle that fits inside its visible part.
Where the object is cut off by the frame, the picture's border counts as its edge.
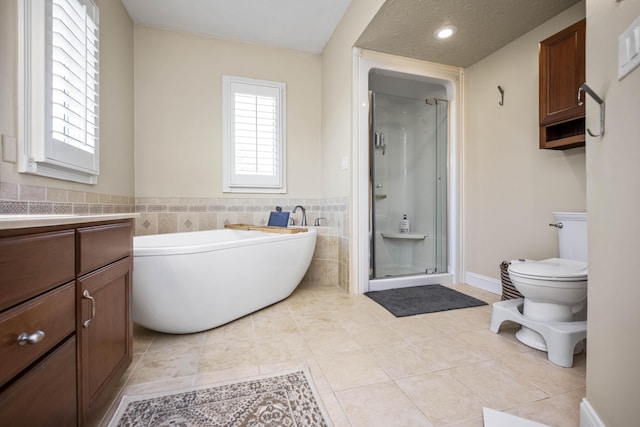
(408, 163)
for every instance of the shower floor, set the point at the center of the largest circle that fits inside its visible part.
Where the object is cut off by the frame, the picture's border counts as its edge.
(395, 270)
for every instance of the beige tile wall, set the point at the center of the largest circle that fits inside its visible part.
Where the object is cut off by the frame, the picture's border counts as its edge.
(330, 262)
(168, 215)
(35, 200)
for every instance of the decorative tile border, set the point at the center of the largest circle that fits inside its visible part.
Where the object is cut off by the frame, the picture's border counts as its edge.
(330, 264)
(32, 200)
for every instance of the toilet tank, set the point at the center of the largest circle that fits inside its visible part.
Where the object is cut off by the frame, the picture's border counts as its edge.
(572, 237)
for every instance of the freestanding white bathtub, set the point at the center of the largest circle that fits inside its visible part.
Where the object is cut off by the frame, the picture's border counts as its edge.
(191, 282)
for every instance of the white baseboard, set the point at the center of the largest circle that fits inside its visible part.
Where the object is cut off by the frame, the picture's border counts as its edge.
(483, 282)
(588, 415)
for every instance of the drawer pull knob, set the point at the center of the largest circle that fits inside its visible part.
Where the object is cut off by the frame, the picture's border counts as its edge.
(85, 294)
(34, 338)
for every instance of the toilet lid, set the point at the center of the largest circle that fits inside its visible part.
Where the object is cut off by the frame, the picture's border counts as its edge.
(554, 268)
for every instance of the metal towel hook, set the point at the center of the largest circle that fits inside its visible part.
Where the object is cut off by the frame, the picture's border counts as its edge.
(501, 102)
(586, 88)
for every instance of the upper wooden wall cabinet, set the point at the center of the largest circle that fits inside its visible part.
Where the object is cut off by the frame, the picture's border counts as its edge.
(562, 72)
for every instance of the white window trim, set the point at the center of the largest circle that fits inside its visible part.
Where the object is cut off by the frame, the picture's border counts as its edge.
(36, 150)
(227, 144)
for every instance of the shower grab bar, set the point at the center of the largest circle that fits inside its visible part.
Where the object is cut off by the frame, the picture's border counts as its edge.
(587, 89)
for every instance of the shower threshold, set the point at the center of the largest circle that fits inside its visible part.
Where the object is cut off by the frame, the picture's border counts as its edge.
(410, 280)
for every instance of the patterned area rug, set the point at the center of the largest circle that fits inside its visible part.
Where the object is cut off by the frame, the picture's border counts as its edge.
(286, 399)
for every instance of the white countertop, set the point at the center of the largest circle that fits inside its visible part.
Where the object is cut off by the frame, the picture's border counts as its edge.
(25, 221)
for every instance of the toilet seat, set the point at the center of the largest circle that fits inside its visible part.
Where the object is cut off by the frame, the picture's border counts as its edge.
(553, 269)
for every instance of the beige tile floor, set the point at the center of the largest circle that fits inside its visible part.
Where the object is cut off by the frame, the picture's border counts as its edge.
(370, 368)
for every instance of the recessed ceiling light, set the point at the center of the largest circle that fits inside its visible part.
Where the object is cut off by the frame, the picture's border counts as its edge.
(445, 32)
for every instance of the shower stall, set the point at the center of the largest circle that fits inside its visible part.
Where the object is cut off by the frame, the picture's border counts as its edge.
(408, 170)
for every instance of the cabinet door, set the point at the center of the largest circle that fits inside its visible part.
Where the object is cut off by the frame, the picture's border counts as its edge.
(562, 72)
(105, 333)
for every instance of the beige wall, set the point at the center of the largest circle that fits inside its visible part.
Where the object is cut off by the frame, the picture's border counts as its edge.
(510, 186)
(613, 375)
(8, 78)
(116, 97)
(337, 96)
(178, 110)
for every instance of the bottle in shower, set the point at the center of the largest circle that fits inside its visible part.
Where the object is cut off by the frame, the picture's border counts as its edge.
(404, 224)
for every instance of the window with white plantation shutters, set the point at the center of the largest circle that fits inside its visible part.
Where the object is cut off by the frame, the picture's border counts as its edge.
(59, 69)
(254, 135)
(74, 74)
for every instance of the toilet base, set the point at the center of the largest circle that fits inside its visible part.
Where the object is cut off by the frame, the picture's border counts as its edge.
(531, 338)
(559, 338)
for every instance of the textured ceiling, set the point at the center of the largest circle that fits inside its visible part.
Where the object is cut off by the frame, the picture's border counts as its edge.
(406, 27)
(303, 25)
(401, 27)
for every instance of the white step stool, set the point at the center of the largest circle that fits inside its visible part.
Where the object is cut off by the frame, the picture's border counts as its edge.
(560, 337)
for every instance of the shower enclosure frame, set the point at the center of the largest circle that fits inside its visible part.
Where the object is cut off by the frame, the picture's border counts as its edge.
(449, 77)
(394, 255)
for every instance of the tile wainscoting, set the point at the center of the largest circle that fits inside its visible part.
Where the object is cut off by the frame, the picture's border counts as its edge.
(17, 199)
(330, 260)
(330, 265)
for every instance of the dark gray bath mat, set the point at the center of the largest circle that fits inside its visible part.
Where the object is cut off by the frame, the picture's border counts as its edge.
(422, 299)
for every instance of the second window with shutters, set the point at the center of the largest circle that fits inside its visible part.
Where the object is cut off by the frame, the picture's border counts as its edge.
(254, 135)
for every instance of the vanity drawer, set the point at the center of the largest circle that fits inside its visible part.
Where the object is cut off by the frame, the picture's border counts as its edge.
(103, 244)
(46, 394)
(52, 313)
(33, 264)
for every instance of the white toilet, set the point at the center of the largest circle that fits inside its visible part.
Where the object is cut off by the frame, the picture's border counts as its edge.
(553, 312)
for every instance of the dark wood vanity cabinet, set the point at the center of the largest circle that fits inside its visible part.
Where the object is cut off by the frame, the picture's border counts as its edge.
(65, 328)
(104, 327)
(562, 72)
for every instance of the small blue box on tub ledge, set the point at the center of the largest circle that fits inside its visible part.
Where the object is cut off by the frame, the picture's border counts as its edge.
(278, 219)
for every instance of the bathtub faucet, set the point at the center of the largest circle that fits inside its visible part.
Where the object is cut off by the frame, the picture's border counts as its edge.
(304, 214)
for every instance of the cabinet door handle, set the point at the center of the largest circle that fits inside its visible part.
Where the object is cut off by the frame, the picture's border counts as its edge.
(85, 294)
(580, 92)
(33, 338)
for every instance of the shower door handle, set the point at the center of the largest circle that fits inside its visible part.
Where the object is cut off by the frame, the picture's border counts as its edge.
(379, 139)
(379, 142)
